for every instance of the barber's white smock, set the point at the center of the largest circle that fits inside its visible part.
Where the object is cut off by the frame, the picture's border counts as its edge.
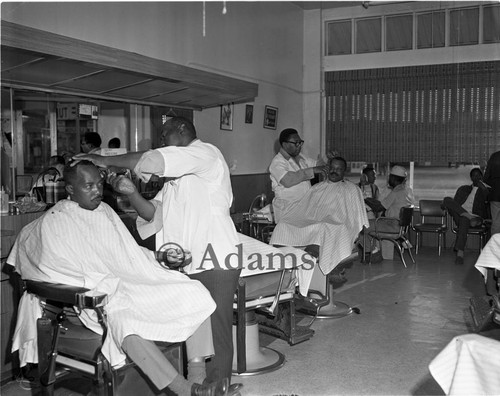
(330, 215)
(193, 209)
(94, 249)
(286, 197)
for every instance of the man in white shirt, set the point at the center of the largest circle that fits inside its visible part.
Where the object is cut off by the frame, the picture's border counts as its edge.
(291, 172)
(468, 208)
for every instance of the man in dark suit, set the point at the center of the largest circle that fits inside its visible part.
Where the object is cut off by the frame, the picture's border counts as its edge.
(492, 179)
(468, 208)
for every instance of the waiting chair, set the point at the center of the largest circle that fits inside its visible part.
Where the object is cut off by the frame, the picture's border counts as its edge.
(66, 346)
(433, 219)
(400, 239)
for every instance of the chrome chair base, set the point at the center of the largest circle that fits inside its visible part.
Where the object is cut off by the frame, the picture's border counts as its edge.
(323, 308)
(259, 360)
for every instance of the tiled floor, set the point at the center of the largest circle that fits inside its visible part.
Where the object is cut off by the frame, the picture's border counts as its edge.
(407, 315)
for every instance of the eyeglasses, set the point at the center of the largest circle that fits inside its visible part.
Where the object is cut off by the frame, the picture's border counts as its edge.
(298, 143)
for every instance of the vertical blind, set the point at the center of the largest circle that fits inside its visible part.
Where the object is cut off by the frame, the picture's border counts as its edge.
(434, 113)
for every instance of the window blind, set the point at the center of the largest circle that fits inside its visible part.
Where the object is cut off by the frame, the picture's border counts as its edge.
(434, 113)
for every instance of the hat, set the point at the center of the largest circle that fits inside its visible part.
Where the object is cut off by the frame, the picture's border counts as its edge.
(398, 171)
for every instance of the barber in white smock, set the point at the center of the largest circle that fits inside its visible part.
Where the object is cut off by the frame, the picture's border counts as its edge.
(291, 172)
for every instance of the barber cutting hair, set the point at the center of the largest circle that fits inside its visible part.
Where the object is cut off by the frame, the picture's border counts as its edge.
(191, 210)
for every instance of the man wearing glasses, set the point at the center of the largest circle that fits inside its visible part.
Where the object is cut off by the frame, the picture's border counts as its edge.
(291, 172)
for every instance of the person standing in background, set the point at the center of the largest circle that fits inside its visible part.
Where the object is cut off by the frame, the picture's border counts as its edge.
(91, 143)
(114, 143)
(492, 179)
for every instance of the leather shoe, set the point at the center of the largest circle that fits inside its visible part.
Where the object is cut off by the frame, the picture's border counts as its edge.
(218, 388)
(234, 389)
(459, 260)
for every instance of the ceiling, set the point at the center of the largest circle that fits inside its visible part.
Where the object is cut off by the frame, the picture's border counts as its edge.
(313, 5)
(45, 62)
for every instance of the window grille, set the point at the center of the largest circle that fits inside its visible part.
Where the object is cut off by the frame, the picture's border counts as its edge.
(433, 113)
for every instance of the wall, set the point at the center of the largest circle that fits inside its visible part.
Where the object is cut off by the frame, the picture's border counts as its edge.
(260, 42)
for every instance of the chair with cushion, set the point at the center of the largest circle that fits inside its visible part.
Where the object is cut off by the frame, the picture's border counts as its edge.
(385, 229)
(433, 219)
(482, 231)
(65, 346)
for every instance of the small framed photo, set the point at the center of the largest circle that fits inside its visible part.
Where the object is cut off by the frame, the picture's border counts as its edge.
(226, 117)
(270, 117)
(248, 114)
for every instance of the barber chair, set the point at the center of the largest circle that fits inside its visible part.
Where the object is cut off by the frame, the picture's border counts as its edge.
(264, 302)
(66, 346)
(257, 221)
(319, 303)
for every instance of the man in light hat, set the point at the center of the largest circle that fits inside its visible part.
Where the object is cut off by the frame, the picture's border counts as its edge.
(391, 205)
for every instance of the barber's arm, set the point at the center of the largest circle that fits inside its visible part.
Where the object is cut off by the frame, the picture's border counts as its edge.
(128, 160)
(124, 185)
(293, 178)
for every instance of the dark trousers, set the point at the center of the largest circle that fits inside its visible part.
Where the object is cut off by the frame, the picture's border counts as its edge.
(463, 223)
(222, 285)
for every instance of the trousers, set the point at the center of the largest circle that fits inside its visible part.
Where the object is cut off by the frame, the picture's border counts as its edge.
(222, 285)
(151, 361)
(463, 223)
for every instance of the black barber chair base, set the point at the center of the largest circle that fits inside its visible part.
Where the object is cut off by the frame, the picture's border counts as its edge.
(284, 324)
(259, 360)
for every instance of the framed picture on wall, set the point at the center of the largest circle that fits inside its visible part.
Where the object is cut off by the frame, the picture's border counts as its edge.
(226, 117)
(248, 114)
(270, 117)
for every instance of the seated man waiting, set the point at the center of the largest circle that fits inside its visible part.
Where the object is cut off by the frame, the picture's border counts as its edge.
(331, 215)
(399, 196)
(82, 242)
(369, 188)
(469, 207)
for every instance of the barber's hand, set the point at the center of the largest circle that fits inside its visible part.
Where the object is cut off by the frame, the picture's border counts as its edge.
(332, 154)
(322, 170)
(121, 184)
(98, 160)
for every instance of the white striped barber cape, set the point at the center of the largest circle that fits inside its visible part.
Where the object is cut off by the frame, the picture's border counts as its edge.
(330, 215)
(94, 249)
(469, 365)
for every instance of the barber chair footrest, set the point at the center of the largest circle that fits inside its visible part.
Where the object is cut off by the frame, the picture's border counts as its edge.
(283, 325)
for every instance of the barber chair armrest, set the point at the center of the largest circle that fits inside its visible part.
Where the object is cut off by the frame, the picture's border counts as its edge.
(66, 294)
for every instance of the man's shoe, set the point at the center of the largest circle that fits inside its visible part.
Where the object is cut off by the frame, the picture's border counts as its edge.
(459, 260)
(234, 389)
(218, 388)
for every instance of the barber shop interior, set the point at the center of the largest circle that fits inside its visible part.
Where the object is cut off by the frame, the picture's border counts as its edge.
(250, 198)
